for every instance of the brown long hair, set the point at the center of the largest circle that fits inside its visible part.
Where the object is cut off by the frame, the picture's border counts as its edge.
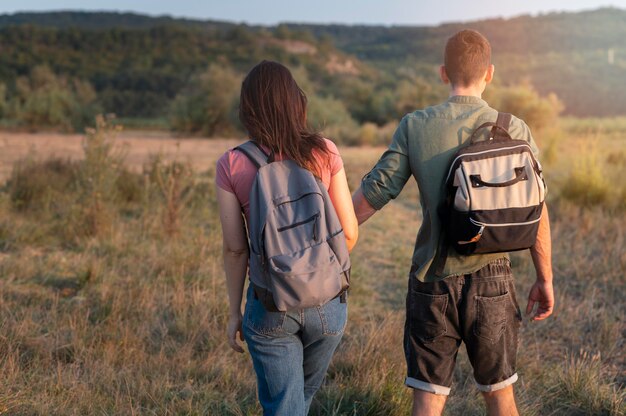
(272, 108)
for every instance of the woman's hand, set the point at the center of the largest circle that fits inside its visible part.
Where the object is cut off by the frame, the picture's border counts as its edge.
(234, 327)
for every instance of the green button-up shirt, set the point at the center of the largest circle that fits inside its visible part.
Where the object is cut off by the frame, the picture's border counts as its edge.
(423, 147)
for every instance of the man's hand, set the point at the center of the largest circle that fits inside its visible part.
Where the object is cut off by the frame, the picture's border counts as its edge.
(542, 294)
(234, 327)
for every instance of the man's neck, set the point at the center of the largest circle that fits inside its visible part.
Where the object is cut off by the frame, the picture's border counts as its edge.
(473, 91)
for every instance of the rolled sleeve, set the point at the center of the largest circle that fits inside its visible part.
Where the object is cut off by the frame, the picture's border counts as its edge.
(386, 180)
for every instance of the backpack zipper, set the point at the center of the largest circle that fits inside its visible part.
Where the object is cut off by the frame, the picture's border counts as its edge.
(317, 217)
(299, 223)
(484, 224)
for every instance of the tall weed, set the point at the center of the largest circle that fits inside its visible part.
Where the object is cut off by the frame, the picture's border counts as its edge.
(174, 183)
(587, 183)
(97, 179)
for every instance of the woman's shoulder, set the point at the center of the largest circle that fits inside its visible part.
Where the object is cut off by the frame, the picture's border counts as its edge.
(331, 146)
(234, 162)
(334, 158)
(231, 155)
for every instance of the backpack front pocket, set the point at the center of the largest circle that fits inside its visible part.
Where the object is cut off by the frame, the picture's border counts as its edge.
(307, 278)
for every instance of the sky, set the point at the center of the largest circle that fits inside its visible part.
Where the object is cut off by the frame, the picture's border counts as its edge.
(270, 12)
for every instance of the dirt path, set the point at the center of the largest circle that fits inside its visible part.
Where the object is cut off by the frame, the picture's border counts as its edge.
(201, 153)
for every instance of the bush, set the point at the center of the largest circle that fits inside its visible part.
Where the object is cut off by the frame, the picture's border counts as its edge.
(45, 100)
(4, 105)
(330, 116)
(524, 102)
(413, 93)
(587, 184)
(39, 186)
(371, 134)
(97, 178)
(208, 105)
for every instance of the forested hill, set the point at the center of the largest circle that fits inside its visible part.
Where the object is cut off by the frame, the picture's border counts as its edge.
(550, 33)
(565, 53)
(138, 64)
(102, 20)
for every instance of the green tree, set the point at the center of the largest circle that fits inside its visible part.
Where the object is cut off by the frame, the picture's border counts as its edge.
(3, 100)
(45, 100)
(208, 104)
(329, 115)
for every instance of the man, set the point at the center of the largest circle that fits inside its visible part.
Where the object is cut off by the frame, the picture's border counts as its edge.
(454, 298)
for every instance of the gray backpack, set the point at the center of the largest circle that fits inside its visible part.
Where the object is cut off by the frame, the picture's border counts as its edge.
(298, 252)
(495, 194)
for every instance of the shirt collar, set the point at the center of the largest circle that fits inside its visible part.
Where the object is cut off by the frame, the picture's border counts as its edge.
(466, 99)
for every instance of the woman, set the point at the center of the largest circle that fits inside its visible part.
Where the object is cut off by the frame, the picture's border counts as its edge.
(290, 351)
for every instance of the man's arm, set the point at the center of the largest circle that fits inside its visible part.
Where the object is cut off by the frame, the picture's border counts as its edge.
(385, 181)
(362, 208)
(542, 291)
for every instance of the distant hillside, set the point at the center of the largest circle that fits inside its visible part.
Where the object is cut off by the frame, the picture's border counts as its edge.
(138, 67)
(100, 20)
(567, 53)
(136, 62)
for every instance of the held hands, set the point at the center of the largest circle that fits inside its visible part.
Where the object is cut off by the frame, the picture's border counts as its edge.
(542, 294)
(234, 327)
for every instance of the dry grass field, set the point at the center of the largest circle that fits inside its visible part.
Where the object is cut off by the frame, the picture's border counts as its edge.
(112, 295)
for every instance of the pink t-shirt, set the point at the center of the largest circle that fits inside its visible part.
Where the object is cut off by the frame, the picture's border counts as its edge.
(235, 173)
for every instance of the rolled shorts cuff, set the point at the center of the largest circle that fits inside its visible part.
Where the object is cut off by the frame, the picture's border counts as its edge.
(497, 386)
(429, 387)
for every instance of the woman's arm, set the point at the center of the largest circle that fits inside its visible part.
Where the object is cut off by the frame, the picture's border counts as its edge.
(235, 252)
(342, 201)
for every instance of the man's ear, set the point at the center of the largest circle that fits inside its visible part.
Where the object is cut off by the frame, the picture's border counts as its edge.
(489, 74)
(443, 74)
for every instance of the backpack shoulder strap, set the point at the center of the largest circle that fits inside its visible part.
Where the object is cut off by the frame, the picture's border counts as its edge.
(254, 152)
(503, 121)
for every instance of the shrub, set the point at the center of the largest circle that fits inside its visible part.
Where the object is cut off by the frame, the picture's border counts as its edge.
(587, 183)
(129, 186)
(45, 100)
(3, 100)
(368, 135)
(208, 104)
(372, 135)
(413, 93)
(97, 178)
(39, 186)
(329, 115)
(524, 101)
(551, 138)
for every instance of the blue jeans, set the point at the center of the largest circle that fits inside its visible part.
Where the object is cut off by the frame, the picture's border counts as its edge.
(291, 352)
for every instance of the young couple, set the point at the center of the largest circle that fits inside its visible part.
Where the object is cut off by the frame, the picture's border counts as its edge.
(470, 300)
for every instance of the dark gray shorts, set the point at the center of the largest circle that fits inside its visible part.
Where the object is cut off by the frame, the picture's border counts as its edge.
(479, 309)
